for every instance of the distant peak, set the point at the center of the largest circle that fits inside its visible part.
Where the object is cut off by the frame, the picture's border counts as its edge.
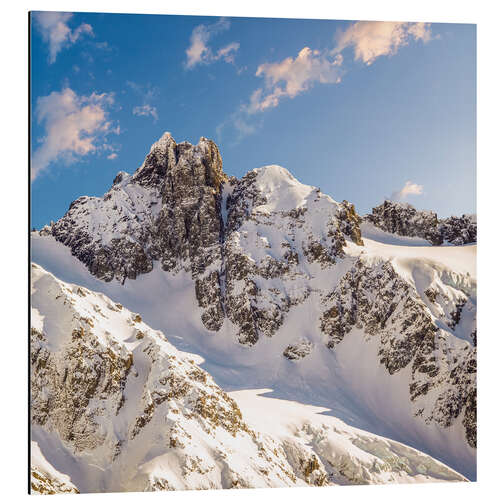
(402, 205)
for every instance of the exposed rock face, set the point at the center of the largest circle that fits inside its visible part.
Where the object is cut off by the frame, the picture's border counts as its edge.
(459, 230)
(350, 222)
(169, 211)
(378, 301)
(257, 248)
(405, 220)
(135, 414)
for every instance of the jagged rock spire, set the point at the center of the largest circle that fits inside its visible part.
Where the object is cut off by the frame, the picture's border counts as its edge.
(178, 166)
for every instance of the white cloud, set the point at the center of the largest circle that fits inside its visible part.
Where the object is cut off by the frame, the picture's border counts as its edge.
(146, 110)
(75, 126)
(112, 156)
(228, 52)
(290, 77)
(147, 94)
(372, 39)
(53, 26)
(199, 52)
(293, 76)
(410, 188)
(420, 31)
(285, 79)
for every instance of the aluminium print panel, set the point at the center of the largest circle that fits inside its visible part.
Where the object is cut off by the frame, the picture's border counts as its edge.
(253, 252)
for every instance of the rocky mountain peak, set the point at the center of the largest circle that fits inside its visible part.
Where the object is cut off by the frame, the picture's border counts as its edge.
(284, 276)
(171, 166)
(405, 220)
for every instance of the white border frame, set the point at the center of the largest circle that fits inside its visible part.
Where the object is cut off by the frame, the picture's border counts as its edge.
(14, 199)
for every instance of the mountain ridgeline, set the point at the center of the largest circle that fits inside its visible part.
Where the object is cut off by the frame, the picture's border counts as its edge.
(404, 220)
(262, 250)
(180, 209)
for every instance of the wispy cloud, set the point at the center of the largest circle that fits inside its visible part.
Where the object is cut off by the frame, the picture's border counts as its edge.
(295, 75)
(147, 94)
(372, 39)
(54, 29)
(199, 51)
(291, 77)
(75, 126)
(112, 156)
(410, 188)
(146, 110)
(240, 122)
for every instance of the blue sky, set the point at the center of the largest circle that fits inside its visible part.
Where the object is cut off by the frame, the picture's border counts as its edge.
(364, 110)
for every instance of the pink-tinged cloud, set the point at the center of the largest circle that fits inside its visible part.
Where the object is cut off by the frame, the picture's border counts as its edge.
(292, 76)
(54, 29)
(75, 126)
(410, 188)
(372, 39)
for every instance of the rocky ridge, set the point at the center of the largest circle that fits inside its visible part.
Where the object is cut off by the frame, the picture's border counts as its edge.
(126, 411)
(261, 246)
(378, 301)
(405, 220)
(179, 209)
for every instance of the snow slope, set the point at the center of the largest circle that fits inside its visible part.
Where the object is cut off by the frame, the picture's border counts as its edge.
(332, 440)
(115, 407)
(45, 479)
(350, 382)
(271, 282)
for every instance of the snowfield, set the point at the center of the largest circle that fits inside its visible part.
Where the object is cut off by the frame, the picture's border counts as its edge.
(116, 407)
(350, 382)
(267, 285)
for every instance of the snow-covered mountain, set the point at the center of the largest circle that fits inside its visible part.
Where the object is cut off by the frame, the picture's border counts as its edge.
(45, 479)
(404, 220)
(276, 285)
(116, 407)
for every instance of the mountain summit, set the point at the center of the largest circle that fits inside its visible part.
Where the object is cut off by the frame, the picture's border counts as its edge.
(278, 286)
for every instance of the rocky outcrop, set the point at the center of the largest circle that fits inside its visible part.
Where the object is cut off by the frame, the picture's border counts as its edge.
(298, 350)
(404, 220)
(180, 209)
(378, 301)
(459, 230)
(120, 409)
(350, 222)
